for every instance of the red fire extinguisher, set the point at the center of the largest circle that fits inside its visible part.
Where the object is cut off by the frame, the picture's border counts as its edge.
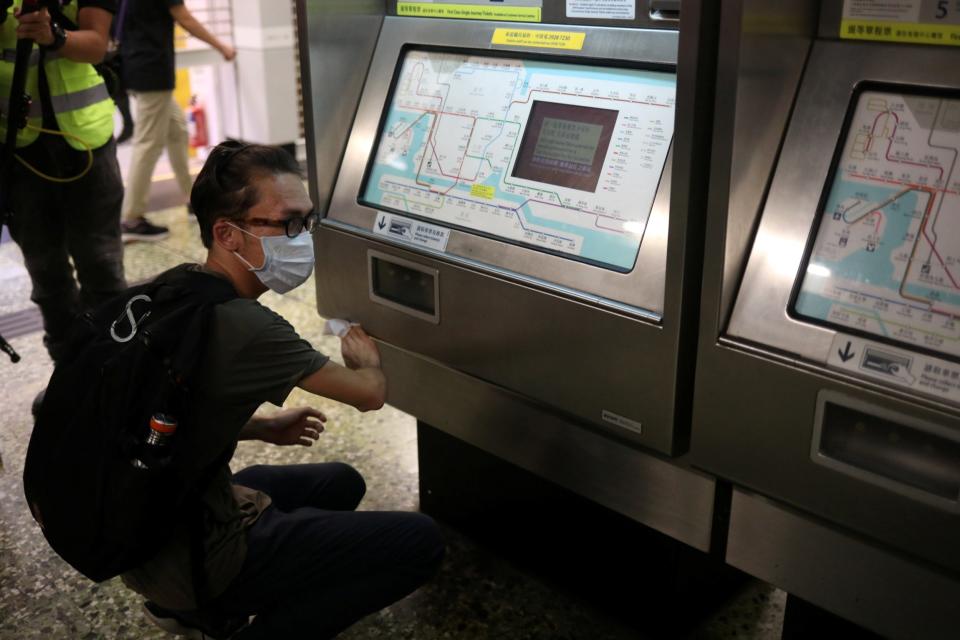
(197, 123)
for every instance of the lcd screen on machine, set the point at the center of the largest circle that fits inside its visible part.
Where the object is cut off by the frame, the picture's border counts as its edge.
(561, 157)
(886, 259)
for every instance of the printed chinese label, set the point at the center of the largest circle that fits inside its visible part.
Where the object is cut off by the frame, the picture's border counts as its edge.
(913, 21)
(467, 11)
(542, 39)
(411, 231)
(919, 373)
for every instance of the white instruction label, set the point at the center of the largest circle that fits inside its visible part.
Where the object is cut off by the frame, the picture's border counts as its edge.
(894, 10)
(620, 421)
(411, 231)
(602, 9)
(919, 373)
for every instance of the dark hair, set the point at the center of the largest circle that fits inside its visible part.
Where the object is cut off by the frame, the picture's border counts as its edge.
(225, 187)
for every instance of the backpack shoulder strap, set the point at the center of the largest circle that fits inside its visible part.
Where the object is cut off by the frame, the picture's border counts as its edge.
(210, 287)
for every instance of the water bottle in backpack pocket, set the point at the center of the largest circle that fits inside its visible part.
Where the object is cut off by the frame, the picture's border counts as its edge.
(105, 476)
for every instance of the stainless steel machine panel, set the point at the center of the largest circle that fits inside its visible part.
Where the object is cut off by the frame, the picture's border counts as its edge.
(887, 593)
(563, 354)
(816, 410)
(607, 341)
(764, 312)
(636, 288)
(653, 490)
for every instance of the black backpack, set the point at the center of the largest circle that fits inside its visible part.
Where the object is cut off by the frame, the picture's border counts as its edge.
(135, 356)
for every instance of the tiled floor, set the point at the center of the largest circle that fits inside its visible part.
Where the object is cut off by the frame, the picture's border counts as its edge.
(477, 595)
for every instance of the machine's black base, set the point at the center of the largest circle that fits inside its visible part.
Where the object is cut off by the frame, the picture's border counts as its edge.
(639, 575)
(802, 620)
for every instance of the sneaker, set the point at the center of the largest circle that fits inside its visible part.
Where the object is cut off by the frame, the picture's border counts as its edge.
(142, 229)
(210, 628)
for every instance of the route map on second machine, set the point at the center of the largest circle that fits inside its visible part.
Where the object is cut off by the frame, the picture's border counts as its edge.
(887, 256)
(562, 157)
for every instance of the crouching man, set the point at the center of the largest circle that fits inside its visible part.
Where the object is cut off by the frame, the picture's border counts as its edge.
(281, 543)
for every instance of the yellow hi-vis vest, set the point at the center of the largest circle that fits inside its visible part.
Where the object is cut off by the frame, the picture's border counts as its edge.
(78, 94)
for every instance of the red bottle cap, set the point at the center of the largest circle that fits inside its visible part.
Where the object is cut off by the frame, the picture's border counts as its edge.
(162, 423)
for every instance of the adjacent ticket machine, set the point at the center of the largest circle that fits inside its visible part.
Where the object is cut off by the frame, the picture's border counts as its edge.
(513, 207)
(828, 381)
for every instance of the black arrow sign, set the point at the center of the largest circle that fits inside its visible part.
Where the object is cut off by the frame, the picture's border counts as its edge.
(846, 354)
(382, 223)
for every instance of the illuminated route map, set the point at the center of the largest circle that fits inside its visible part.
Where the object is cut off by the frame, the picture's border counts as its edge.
(566, 158)
(887, 256)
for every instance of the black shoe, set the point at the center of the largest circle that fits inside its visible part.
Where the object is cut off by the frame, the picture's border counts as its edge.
(142, 229)
(193, 624)
(37, 402)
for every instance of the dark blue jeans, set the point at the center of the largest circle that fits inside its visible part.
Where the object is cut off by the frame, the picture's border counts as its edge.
(55, 224)
(314, 566)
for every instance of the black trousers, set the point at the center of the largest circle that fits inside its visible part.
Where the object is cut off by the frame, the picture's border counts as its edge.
(62, 227)
(314, 566)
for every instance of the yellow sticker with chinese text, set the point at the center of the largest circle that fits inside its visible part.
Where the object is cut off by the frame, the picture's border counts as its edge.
(913, 32)
(570, 40)
(483, 191)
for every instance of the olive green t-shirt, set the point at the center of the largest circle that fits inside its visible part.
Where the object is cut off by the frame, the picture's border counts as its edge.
(254, 356)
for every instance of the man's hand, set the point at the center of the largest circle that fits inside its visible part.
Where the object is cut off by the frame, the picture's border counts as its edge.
(358, 350)
(35, 26)
(299, 426)
(228, 52)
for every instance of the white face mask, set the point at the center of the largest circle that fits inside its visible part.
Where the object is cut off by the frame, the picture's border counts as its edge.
(287, 262)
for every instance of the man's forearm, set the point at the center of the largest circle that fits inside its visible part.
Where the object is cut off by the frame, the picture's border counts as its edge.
(192, 26)
(377, 385)
(84, 46)
(254, 428)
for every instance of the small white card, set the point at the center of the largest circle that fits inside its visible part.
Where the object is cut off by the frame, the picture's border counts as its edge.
(411, 231)
(920, 373)
(337, 327)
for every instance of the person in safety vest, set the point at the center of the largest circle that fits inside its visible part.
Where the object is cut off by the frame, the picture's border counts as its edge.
(149, 73)
(65, 190)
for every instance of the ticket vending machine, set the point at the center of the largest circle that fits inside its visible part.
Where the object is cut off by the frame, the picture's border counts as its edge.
(827, 381)
(512, 206)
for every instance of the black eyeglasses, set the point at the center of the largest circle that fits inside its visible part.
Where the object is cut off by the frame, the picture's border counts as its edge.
(292, 226)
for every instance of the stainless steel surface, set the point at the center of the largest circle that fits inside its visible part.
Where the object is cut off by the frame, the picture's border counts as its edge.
(662, 494)
(506, 320)
(757, 386)
(336, 43)
(572, 356)
(867, 584)
(760, 312)
(766, 46)
(434, 317)
(830, 15)
(555, 12)
(642, 288)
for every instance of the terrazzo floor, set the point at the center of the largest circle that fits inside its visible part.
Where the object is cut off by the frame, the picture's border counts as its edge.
(477, 595)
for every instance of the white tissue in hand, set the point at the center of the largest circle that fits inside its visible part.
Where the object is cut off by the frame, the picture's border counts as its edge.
(337, 327)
